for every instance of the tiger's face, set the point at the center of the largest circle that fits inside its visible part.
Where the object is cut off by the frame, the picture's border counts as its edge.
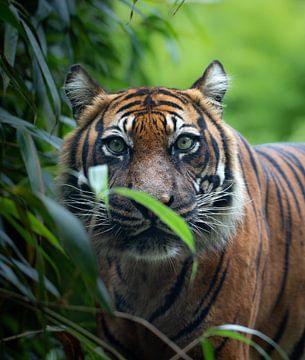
(168, 143)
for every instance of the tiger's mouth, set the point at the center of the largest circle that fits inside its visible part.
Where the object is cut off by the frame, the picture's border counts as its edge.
(152, 243)
(153, 232)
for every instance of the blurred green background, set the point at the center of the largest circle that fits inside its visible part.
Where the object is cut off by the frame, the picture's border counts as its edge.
(44, 275)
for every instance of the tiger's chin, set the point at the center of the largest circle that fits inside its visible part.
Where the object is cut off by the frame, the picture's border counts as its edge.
(150, 245)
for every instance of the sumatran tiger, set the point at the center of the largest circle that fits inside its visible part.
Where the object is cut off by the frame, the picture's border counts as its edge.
(245, 205)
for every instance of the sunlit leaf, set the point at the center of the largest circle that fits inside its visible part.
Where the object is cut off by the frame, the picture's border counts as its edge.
(232, 331)
(98, 180)
(207, 349)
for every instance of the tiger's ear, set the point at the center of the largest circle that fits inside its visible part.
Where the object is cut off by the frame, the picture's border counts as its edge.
(80, 89)
(213, 83)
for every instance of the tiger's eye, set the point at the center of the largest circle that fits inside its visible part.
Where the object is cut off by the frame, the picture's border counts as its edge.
(116, 145)
(184, 143)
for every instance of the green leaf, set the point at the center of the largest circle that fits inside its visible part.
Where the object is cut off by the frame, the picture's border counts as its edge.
(62, 9)
(39, 133)
(31, 160)
(67, 121)
(98, 180)
(17, 82)
(231, 330)
(74, 237)
(103, 295)
(8, 207)
(8, 274)
(207, 349)
(77, 245)
(7, 16)
(10, 46)
(33, 274)
(243, 339)
(6, 240)
(168, 216)
(43, 66)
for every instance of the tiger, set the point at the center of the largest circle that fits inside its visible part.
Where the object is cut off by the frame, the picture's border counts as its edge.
(244, 204)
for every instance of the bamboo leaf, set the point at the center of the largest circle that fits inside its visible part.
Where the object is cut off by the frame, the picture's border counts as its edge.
(7, 15)
(17, 123)
(33, 274)
(31, 160)
(39, 228)
(10, 46)
(8, 274)
(17, 83)
(74, 238)
(62, 9)
(43, 66)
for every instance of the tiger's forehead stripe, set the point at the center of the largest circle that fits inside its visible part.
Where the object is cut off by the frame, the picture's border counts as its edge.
(142, 92)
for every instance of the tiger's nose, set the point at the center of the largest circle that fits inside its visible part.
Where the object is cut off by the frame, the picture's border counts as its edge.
(166, 199)
(148, 214)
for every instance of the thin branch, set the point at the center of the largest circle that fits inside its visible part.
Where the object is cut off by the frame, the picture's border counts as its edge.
(24, 334)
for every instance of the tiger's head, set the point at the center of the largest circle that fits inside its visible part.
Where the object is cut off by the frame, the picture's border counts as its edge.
(169, 143)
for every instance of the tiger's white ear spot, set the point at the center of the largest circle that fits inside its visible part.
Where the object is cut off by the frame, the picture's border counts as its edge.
(213, 83)
(80, 89)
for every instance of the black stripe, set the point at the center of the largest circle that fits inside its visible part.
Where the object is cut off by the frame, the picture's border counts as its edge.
(173, 294)
(169, 103)
(299, 348)
(119, 272)
(180, 97)
(281, 172)
(129, 105)
(287, 227)
(279, 334)
(297, 162)
(204, 312)
(212, 284)
(73, 149)
(279, 199)
(252, 160)
(286, 159)
(200, 120)
(85, 151)
(172, 113)
(140, 92)
(224, 141)
(117, 344)
(121, 304)
(216, 151)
